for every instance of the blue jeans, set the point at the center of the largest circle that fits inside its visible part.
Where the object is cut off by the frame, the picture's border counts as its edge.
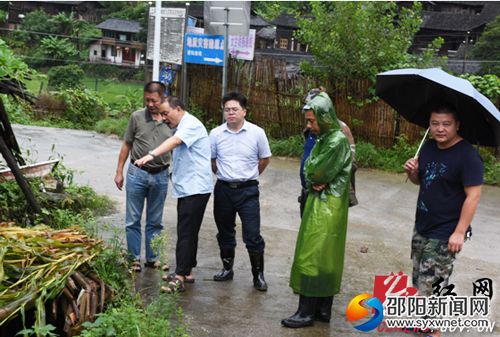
(245, 202)
(141, 186)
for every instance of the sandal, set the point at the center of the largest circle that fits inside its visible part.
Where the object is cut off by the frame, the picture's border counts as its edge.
(136, 266)
(170, 277)
(174, 286)
(156, 265)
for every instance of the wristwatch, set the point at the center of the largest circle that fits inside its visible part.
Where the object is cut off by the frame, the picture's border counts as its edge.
(152, 154)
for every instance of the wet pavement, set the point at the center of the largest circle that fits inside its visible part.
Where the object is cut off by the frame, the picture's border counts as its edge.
(381, 225)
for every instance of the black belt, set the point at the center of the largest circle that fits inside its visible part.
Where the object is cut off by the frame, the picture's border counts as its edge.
(151, 170)
(239, 184)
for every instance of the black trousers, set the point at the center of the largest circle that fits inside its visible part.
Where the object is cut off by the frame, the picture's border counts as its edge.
(242, 201)
(190, 211)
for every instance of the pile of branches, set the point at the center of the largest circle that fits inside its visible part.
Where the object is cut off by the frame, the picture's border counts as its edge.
(48, 270)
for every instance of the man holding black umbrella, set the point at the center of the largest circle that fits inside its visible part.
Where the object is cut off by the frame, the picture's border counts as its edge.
(450, 174)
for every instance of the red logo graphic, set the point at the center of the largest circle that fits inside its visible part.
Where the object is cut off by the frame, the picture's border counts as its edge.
(392, 285)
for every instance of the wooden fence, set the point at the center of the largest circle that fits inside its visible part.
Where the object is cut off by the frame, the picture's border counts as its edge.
(275, 100)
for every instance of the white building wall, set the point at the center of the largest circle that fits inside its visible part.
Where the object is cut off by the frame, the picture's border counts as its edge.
(109, 53)
(97, 49)
(118, 58)
(137, 57)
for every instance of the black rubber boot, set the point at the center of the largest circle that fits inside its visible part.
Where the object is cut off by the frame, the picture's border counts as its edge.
(257, 261)
(324, 309)
(227, 256)
(304, 315)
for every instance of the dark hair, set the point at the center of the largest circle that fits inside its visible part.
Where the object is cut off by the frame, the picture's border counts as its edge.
(235, 96)
(175, 102)
(444, 108)
(155, 86)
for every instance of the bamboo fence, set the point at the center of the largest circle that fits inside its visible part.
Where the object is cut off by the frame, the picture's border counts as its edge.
(275, 100)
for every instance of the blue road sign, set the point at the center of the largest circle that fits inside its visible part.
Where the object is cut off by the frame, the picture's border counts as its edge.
(204, 49)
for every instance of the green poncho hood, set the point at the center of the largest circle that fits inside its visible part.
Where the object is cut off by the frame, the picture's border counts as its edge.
(324, 113)
(330, 159)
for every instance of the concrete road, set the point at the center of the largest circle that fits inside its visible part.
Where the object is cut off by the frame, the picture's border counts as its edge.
(382, 223)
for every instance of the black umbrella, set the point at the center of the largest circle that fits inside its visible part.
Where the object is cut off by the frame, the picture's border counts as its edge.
(409, 91)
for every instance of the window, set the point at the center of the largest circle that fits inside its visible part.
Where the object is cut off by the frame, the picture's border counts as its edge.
(95, 52)
(122, 37)
(283, 43)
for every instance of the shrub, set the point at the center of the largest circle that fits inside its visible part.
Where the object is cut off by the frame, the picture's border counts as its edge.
(392, 159)
(19, 111)
(491, 167)
(65, 77)
(290, 147)
(83, 107)
(488, 85)
(196, 111)
(160, 318)
(132, 100)
(367, 155)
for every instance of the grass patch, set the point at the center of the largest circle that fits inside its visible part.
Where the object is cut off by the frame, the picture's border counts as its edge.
(112, 126)
(109, 90)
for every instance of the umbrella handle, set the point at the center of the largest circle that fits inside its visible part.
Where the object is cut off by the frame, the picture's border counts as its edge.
(419, 147)
(421, 143)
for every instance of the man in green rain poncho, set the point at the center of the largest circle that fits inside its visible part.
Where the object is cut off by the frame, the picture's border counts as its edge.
(319, 254)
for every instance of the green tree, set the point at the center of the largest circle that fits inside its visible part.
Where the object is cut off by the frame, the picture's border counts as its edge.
(357, 39)
(25, 39)
(270, 10)
(63, 23)
(488, 48)
(80, 31)
(57, 49)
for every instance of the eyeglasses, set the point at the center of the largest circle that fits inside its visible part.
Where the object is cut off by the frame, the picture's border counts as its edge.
(233, 109)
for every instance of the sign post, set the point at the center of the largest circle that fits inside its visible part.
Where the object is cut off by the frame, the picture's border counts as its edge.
(226, 18)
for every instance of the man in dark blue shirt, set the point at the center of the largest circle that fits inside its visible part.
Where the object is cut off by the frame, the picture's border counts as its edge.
(450, 174)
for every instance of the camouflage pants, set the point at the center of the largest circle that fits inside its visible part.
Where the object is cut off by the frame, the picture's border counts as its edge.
(431, 260)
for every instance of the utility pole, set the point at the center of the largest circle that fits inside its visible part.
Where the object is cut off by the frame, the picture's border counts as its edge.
(226, 52)
(184, 95)
(465, 52)
(156, 46)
